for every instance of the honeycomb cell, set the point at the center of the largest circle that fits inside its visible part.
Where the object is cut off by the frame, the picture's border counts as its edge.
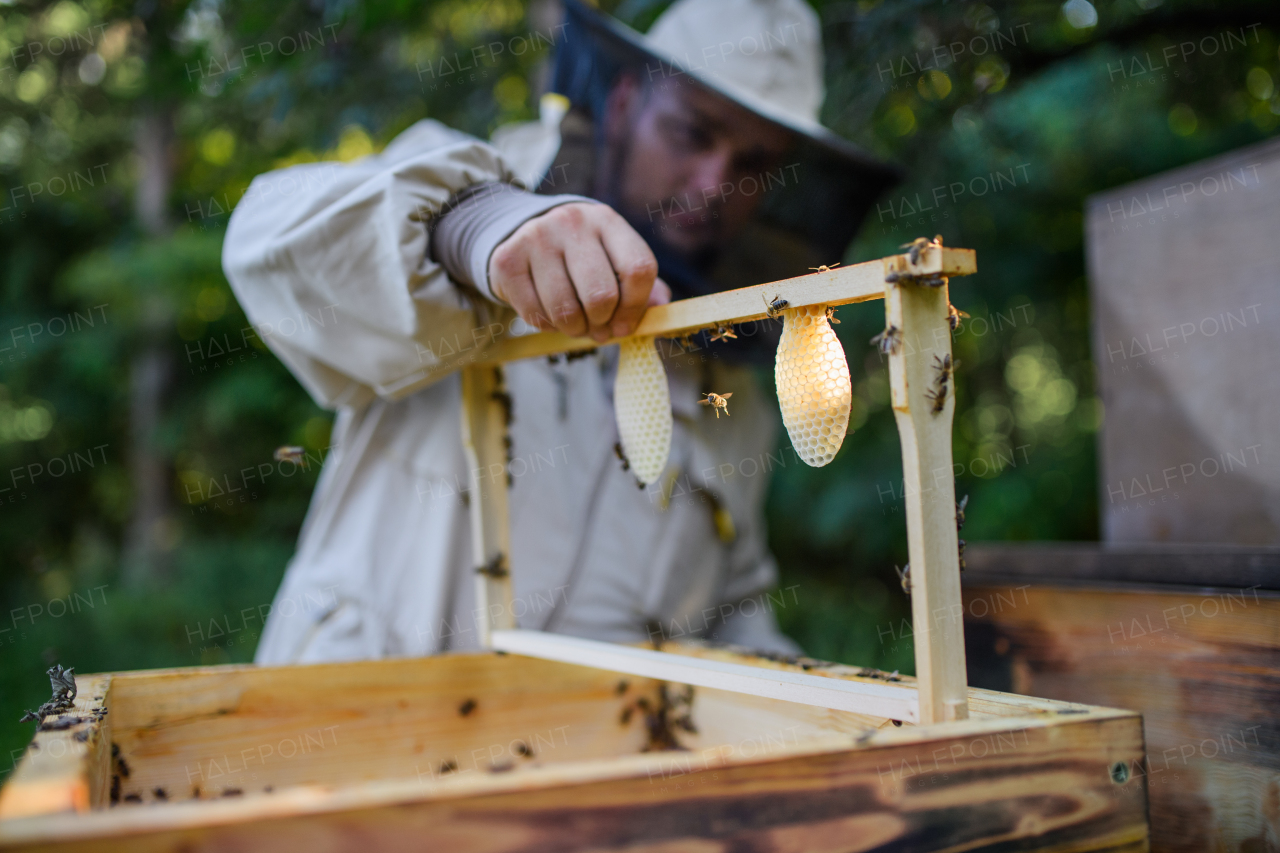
(814, 390)
(642, 404)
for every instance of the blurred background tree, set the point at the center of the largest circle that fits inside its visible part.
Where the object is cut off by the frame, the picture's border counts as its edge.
(133, 393)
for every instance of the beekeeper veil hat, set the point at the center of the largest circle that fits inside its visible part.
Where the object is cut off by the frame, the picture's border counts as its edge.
(764, 55)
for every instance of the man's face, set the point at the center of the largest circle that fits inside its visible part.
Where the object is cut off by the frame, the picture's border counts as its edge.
(694, 163)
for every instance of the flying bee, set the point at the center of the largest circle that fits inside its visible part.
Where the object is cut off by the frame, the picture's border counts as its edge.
(831, 315)
(290, 453)
(918, 245)
(944, 367)
(954, 316)
(824, 268)
(964, 502)
(773, 308)
(904, 577)
(717, 402)
(617, 450)
(888, 341)
(724, 333)
(938, 398)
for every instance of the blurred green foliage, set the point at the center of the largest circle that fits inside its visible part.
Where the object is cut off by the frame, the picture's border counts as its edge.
(1040, 103)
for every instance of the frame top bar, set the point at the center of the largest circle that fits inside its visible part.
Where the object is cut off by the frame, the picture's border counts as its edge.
(838, 286)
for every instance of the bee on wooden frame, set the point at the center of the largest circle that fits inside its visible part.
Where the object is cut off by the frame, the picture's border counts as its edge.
(772, 308)
(824, 267)
(938, 398)
(917, 246)
(955, 315)
(944, 366)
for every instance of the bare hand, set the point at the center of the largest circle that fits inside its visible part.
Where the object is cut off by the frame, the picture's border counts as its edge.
(579, 268)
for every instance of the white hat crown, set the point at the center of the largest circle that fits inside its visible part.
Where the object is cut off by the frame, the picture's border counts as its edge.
(765, 53)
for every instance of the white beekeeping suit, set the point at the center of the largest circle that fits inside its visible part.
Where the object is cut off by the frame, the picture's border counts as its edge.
(343, 269)
(384, 562)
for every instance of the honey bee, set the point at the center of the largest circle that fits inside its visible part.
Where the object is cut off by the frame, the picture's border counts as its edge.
(290, 453)
(824, 268)
(954, 316)
(724, 333)
(772, 308)
(888, 341)
(494, 568)
(617, 450)
(960, 555)
(831, 315)
(917, 246)
(904, 577)
(938, 398)
(717, 402)
(964, 502)
(944, 367)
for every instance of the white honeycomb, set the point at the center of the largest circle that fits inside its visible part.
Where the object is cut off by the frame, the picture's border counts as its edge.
(814, 390)
(642, 403)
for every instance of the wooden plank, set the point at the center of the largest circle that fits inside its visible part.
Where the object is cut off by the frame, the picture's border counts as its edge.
(880, 700)
(1202, 666)
(198, 733)
(1045, 784)
(67, 769)
(486, 411)
(839, 286)
(1093, 563)
(924, 429)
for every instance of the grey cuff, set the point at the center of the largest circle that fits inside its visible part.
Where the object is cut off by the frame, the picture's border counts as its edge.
(477, 220)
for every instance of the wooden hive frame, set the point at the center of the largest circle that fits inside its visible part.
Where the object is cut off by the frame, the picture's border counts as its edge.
(920, 312)
(851, 759)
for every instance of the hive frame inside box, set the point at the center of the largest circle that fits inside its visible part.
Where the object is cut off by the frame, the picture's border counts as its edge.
(861, 767)
(921, 315)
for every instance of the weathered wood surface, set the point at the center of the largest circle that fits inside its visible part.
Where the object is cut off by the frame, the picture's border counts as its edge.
(924, 431)
(65, 770)
(1202, 666)
(767, 774)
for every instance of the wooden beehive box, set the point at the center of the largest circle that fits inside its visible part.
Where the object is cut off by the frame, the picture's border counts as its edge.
(547, 742)
(494, 752)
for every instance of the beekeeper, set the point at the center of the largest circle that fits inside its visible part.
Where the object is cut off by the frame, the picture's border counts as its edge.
(670, 165)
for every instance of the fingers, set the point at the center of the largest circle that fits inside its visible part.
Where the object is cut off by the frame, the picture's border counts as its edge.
(556, 293)
(636, 267)
(511, 281)
(579, 268)
(595, 284)
(661, 293)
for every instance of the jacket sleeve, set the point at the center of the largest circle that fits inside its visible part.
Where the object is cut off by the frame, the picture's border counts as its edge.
(331, 264)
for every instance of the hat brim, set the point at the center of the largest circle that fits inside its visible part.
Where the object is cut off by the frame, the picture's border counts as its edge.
(838, 182)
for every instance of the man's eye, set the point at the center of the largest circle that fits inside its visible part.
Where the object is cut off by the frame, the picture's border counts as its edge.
(687, 135)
